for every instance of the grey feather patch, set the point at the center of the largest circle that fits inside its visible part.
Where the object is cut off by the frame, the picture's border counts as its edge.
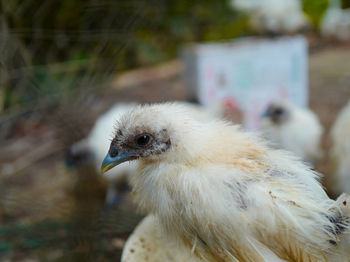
(238, 192)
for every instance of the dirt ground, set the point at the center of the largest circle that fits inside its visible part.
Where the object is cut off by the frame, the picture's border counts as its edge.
(51, 213)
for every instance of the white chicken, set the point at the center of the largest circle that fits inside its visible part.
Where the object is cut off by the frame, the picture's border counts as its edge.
(223, 193)
(336, 21)
(93, 148)
(340, 152)
(274, 16)
(295, 129)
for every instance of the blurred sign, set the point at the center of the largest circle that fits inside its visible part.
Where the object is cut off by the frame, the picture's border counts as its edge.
(248, 73)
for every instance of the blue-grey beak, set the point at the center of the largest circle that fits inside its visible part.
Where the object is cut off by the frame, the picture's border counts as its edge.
(265, 114)
(110, 162)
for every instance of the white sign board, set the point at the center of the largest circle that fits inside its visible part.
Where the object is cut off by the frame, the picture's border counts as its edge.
(250, 73)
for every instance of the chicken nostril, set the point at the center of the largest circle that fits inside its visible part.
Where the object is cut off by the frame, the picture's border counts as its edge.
(113, 152)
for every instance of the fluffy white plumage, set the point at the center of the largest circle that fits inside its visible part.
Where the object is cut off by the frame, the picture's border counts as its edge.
(340, 152)
(97, 143)
(295, 129)
(274, 16)
(224, 194)
(336, 21)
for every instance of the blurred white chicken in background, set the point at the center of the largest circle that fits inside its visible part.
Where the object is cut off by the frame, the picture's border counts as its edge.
(223, 193)
(336, 21)
(93, 148)
(295, 129)
(340, 152)
(274, 16)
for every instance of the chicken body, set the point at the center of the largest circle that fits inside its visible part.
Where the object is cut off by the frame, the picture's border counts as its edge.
(223, 193)
(294, 129)
(149, 243)
(340, 152)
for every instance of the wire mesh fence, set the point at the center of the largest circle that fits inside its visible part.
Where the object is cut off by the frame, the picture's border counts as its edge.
(56, 57)
(49, 48)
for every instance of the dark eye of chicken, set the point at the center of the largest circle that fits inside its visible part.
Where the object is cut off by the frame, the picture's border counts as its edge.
(142, 140)
(278, 111)
(113, 152)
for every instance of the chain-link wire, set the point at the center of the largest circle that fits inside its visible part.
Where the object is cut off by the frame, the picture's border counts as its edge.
(49, 48)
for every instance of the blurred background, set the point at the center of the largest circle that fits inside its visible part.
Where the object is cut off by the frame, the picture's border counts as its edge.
(64, 63)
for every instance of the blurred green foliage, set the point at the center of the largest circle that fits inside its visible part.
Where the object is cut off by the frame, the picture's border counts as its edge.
(345, 4)
(53, 47)
(57, 43)
(315, 10)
